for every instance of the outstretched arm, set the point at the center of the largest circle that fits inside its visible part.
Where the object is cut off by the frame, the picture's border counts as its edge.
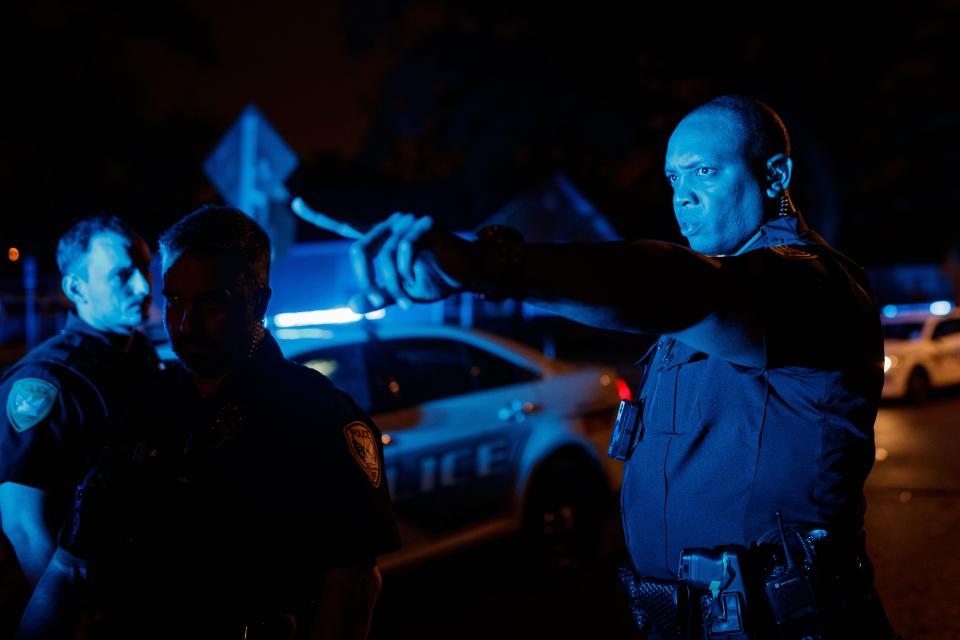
(644, 286)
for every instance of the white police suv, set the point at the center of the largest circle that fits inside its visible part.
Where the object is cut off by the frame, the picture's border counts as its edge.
(921, 349)
(482, 435)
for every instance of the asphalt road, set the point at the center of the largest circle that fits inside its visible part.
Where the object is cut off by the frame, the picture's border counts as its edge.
(913, 523)
(913, 517)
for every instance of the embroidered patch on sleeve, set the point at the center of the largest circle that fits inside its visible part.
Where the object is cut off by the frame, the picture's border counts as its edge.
(363, 448)
(792, 253)
(29, 402)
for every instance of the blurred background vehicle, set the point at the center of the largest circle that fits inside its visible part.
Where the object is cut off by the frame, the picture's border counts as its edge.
(483, 436)
(921, 345)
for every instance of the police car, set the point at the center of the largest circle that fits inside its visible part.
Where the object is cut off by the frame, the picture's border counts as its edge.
(921, 349)
(482, 436)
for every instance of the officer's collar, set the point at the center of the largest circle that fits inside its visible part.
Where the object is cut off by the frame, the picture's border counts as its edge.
(114, 341)
(791, 229)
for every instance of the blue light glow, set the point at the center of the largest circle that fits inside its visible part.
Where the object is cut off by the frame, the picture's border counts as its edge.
(340, 315)
(937, 308)
(940, 308)
(303, 334)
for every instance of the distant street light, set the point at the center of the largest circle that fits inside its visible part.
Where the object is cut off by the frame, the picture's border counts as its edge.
(13, 254)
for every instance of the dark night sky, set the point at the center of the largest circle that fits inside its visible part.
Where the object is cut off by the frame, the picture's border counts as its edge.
(453, 108)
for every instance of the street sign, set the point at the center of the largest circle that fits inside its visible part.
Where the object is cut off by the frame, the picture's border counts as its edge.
(248, 167)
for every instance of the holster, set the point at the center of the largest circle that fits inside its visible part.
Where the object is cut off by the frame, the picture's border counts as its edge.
(726, 581)
(662, 605)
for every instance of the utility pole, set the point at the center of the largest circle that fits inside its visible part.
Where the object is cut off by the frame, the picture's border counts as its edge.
(31, 329)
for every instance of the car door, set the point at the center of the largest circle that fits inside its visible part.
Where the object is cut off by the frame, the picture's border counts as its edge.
(455, 418)
(946, 343)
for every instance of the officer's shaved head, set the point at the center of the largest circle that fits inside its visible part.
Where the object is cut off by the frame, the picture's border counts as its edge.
(729, 166)
(222, 232)
(762, 131)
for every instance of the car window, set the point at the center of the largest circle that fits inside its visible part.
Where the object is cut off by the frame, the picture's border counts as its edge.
(902, 331)
(424, 369)
(345, 367)
(490, 371)
(384, 388)
(946, 328)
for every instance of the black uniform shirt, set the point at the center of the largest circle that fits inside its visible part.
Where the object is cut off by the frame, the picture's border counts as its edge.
(270, 480)
(60, 399)
(726, 446)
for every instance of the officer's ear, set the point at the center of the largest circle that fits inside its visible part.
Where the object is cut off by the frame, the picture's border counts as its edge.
(779, 172)
(74, 288)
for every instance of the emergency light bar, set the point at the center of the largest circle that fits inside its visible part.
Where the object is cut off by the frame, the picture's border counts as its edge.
(938, 308)
(340, 315)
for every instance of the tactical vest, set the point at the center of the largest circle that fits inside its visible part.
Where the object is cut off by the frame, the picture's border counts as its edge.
(724, 447)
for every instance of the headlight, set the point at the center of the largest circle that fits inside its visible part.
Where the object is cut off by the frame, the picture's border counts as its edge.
(889, 362)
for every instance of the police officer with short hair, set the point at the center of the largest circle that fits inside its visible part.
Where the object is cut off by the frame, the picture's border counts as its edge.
(751, 436)
(255, 502)
(64, 395)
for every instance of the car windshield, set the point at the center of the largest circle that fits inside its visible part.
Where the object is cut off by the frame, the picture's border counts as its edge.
(902, 331)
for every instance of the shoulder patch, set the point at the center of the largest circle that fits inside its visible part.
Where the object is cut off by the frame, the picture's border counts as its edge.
(792, 253)
(363, 447)
(29, 402)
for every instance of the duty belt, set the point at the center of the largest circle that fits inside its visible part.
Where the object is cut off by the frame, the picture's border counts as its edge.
(657, 604)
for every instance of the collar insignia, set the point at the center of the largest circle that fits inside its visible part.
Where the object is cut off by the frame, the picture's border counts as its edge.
(791, 253)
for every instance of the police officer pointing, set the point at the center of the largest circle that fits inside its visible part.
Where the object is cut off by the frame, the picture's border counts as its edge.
(61, 398)
(749, 441)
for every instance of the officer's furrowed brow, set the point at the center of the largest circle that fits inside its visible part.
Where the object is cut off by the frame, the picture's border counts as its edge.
(691, 162)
